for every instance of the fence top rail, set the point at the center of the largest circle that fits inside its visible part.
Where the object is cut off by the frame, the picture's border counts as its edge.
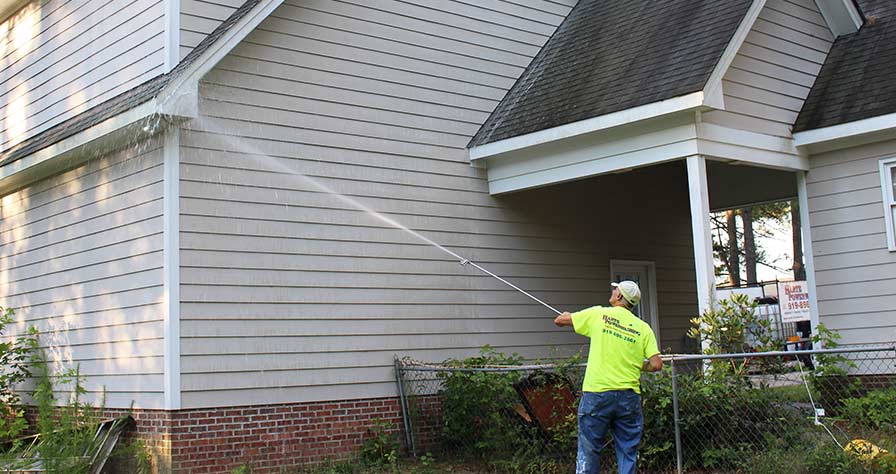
(744, 355)
(417, 366)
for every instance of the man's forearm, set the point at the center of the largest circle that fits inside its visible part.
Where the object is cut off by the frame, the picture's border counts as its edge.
(564, 319)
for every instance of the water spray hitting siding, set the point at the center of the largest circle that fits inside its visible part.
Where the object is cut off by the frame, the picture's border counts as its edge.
(257, 156)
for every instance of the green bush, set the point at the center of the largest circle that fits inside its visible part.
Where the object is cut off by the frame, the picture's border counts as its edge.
(876, 409)
(15, 356)
(66, 429)
(474, 405)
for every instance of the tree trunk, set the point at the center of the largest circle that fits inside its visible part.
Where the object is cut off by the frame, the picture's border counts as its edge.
(746, 215)
(733, 248)
(799, 270)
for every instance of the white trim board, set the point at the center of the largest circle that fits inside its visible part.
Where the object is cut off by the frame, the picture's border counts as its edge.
(886, 184)
(829, 135)
(102, 135)
(172, 33)
(808, 256)
(171, 265)
(691, 101)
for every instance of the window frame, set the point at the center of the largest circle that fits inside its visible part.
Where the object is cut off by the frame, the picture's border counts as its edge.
(887, 166)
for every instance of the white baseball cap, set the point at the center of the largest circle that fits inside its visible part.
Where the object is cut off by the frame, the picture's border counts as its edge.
(629, 291)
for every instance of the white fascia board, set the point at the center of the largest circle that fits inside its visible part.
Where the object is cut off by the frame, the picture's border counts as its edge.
(691, 101)
(845, 130)
(713, 88)
(180, 97)
(842, 16)
(98, 131)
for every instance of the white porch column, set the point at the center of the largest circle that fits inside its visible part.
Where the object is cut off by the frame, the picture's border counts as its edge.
(698, 191)
(808, 258)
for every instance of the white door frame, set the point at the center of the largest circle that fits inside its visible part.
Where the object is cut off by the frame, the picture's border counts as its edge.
(651, 276)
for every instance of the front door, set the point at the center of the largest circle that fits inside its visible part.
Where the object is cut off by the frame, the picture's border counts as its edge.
(644, 274)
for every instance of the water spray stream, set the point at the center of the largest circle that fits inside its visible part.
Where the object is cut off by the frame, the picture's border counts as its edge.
(388, 220)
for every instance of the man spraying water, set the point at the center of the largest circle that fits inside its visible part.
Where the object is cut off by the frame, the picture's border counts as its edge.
(622, 345)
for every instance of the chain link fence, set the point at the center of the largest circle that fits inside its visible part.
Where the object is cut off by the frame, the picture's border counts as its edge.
(807, 411)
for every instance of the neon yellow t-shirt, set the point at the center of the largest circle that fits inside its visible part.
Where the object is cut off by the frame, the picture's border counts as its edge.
(620, 342)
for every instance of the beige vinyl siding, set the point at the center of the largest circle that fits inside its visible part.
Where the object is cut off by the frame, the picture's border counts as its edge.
(855, 272)
(64, 57)
(772, 73)
(291, 294)
(81, 260)
(198, 18)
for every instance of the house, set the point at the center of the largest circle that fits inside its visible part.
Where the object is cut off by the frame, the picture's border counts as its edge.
(186, 185)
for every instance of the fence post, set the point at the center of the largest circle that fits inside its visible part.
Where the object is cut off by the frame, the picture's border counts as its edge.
(678, 460)
(405, 415)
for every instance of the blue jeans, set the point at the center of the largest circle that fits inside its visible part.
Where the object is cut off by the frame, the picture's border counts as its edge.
(619, 410)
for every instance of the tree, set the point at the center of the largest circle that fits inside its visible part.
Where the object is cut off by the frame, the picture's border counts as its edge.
(736, 248)
(733, 250)
(746, 215)
(799, 270)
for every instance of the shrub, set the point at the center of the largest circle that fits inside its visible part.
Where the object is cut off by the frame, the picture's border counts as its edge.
(876, 409)
(15, 355)
(475, 404)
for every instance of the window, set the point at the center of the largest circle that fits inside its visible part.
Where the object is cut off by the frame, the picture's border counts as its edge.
(888, 184)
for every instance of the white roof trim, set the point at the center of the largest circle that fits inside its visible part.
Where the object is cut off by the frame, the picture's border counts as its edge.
(713, 88)
(79, 139)
(845, 130)
(842, 16)
(603, 122)
(180, 97)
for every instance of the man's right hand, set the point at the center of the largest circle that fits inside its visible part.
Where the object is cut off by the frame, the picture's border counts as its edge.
(564, 319)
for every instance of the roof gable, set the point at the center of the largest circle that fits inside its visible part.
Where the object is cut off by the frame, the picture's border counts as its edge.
(856, 81)
(612, 56)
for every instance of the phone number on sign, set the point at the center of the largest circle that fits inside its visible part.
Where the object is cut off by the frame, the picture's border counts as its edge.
(798, 305)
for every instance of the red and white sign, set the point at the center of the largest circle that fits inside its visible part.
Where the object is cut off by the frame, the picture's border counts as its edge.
(793, 297)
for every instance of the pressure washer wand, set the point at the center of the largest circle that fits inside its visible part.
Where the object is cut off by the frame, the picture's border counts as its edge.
(464, 261)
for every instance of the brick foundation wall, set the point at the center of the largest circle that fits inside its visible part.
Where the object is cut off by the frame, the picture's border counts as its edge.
(268, 438)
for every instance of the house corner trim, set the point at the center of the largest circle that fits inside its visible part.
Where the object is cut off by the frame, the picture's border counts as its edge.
(171, 267)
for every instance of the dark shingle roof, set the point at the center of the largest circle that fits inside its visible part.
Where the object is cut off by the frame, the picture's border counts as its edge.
(611, 55)
(122, 102)
(856, 81)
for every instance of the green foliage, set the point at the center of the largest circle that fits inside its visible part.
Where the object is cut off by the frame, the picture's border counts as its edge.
(65, 443)
(473, 404)
(876, 409)
(732, 326)
(15, 355)
(381, 446)
(244, 469)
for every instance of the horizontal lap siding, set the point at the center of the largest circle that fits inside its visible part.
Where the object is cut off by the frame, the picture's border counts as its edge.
(771, 75)
(855, 273)
(81, 260)
(66, 56)
(292, 294)
(199, 17)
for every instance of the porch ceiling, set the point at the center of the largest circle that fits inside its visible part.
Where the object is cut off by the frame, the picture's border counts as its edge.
(734, 186)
